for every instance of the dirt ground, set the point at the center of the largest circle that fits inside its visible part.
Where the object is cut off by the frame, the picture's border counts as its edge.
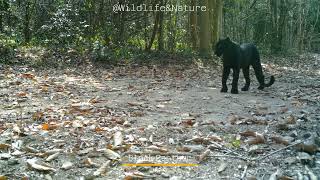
(96, 123)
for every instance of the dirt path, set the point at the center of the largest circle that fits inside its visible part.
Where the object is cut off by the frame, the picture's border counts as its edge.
(61, 124)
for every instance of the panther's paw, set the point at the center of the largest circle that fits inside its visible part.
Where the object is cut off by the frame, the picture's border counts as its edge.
(261, 87)
(224, 90)
(245, 88)
(234, 91)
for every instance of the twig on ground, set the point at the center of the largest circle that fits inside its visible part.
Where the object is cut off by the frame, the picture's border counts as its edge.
(232, 157)
(274, 152)
(244, 172)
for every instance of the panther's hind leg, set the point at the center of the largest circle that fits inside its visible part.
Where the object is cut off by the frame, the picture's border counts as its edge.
(259, 74)
(246, 75)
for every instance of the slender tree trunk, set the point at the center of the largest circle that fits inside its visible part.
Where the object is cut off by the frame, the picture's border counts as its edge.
(282, 25)
(155, 30)
(1, 21)
(220, 17)
(193, 26)
(216, 20)
(205, 30)
(26, 28)
(172, 30)
(145, 15)
(160, 31)
(122, 27)
(274, 44)
(100, 18)
(300, 33)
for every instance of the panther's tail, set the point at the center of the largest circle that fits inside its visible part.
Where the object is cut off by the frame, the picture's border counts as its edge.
(272, 79)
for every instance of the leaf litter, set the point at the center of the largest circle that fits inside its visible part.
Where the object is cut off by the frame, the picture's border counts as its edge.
(64, 124)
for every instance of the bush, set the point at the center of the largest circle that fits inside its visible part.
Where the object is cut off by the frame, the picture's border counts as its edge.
(7, 48)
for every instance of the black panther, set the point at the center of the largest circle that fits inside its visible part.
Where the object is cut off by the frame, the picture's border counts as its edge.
(238, 57)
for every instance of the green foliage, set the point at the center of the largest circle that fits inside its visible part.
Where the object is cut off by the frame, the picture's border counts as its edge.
(64, 29)
(7, 48)
(91, 26)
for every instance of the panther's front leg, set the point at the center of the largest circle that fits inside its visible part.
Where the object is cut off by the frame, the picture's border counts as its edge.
(225, 75)
(234, 89)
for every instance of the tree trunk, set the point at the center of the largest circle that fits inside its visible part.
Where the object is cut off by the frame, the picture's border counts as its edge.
(274, 44)
(216, 20)
(172, 30)
(193, 26)
(282, 25)
(160, 31)
(204, 30)
(26, 28)
(155, 30)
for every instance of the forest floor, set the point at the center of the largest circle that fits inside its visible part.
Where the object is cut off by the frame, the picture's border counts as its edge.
(91, 122)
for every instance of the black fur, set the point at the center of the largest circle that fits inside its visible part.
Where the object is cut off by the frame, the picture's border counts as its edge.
(238, 57)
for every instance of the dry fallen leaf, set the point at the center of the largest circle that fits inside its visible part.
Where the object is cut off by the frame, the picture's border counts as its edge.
(67, 165)
(39, 166)
(188, 122)
(308, 147)
(280, 140)
(52, 151)
(285, 178)
(291, 120)
(4, 146)
(204, 155)
(222, 167)
(135, 175)
(3, 177)
(28, 76)
(117, 139)
(37, 116)
(248, 133)
(257, 138)
(102, 170)
(111, 154)
(156, 148)
(22, 94)
(233, 119)
(53, 156)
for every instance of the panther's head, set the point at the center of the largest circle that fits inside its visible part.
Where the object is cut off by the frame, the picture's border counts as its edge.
(221, 46)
